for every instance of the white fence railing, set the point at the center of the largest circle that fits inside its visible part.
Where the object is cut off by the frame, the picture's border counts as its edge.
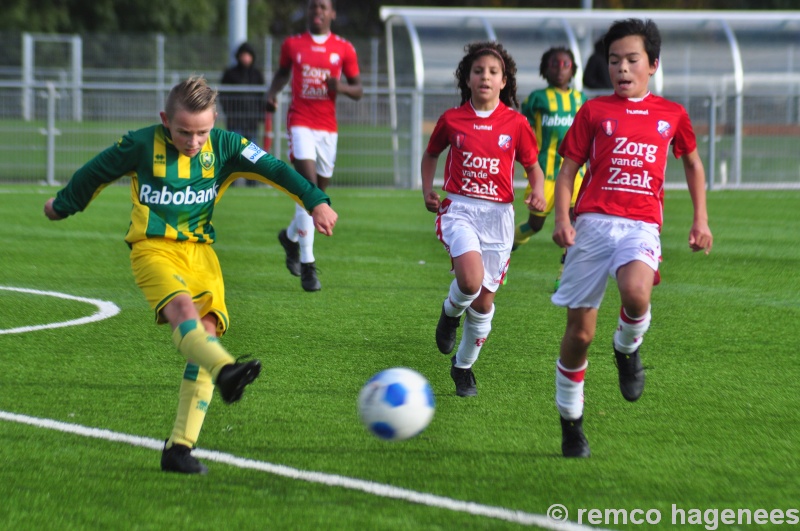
(746, 141)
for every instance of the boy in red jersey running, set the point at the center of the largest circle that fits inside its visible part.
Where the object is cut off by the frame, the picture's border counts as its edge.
(315, 61)
(476, 220)
(625, 138)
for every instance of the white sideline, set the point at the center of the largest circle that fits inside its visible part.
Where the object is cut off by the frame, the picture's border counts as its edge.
(105, 310)
(370, 487)
(109, 309)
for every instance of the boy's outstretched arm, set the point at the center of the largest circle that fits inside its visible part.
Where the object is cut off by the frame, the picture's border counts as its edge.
(700, 237)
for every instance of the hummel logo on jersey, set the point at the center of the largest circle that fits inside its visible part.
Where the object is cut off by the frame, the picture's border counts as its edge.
(165, 196)
(637, 111)
(482, 127)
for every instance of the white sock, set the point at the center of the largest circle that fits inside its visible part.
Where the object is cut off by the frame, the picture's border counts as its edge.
(569, 391)
(303, 226)
(291, 230)
(630, 331)
(476, 329)
(456, 301)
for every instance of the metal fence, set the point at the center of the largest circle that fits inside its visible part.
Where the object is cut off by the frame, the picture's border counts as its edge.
(56, 116)
(52, 144)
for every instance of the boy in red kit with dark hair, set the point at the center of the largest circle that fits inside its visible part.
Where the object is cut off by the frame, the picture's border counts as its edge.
(626, 139)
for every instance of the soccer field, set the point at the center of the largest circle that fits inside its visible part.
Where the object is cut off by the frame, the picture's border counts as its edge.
(717, 427)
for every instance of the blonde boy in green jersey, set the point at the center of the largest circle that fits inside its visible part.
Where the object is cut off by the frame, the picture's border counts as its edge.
(550, 112)
(179, 169)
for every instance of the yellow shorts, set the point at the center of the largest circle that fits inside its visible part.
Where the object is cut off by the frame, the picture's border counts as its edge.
(164, 269)
(550, 195)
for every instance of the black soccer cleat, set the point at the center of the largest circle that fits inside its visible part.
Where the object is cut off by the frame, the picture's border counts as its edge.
(308, 277)
(233, 378)
(292, 250)
(464, 380)
(573, 441)
(179, 459)
(631, 374)
(446, 332)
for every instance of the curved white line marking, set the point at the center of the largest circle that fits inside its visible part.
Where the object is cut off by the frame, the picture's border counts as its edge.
(333, 480)
(105, 310)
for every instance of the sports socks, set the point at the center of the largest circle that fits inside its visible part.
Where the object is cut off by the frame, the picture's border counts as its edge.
(457, 302)
(195, 395)
(569, 391)
(630, 331)
(476, 329)
(196, 345)
(301, 230)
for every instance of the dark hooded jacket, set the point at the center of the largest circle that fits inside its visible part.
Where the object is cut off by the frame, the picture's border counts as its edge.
(244, 111)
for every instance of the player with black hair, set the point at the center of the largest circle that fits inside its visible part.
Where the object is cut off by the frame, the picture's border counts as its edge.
(550, 112)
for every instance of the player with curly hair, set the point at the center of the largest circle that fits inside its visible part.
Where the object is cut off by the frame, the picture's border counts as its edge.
(475, 222)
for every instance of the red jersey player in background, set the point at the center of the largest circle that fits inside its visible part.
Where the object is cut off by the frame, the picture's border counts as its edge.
(476, 220)
(316, 61)
(625, 138)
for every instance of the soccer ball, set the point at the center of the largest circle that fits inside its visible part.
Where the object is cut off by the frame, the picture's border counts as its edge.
(396, 404)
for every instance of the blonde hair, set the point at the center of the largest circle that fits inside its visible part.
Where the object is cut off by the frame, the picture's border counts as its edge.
(193, 95)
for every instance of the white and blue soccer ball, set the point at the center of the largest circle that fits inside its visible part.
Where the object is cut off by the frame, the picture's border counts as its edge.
(396, 404)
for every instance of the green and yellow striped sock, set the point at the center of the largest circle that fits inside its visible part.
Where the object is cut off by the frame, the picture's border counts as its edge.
(195, 396)
(196, 345)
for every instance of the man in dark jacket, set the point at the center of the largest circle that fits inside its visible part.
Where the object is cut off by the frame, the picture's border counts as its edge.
(244, 111)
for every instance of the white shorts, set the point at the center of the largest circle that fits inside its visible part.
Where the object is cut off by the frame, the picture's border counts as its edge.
(603, 244)
(311, 144)
(465, 224)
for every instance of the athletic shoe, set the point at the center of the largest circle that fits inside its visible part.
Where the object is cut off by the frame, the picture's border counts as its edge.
(631, 374)
(233, 378)
(292, 250)
(179, 458)
(446, 332)
(308, 277)
(573, 441)
(464, 380)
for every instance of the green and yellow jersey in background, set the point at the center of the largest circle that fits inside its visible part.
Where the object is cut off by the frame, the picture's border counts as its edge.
(550, 112)
(174, 195)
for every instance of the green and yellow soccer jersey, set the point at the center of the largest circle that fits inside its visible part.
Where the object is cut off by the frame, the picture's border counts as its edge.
(174, 195)
(550, 112)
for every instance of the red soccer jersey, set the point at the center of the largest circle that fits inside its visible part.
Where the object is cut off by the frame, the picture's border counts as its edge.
(480, 162)
(311, 64)
(627, 145)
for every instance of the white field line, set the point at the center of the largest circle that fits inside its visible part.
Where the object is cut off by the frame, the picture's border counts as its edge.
(108, 309)
(333, 480)
(105, 310)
